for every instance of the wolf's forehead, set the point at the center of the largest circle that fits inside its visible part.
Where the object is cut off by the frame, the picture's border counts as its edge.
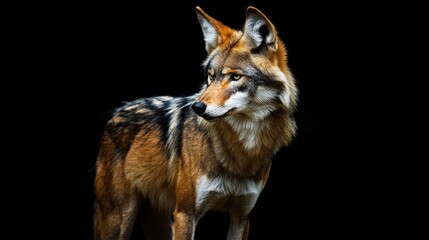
(230, 58)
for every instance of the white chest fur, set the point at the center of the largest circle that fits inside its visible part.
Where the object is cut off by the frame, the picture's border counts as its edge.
(210, 189)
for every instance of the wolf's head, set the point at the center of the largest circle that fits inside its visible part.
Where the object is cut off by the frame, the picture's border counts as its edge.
(246, 70)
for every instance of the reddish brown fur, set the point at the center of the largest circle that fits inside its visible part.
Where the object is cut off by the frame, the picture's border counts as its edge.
(216, 93)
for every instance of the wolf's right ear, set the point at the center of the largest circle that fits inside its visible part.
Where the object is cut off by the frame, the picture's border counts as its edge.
(213, 30)
(259, 30)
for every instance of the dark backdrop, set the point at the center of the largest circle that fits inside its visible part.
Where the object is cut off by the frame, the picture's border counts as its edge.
(330, 182)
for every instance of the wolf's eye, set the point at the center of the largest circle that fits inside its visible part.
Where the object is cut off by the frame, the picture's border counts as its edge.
(235, 77)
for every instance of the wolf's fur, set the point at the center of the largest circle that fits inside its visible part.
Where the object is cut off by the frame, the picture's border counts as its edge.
(180, 164)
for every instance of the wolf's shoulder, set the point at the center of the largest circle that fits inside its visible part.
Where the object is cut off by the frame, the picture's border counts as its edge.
(150, 109)
(145, 105)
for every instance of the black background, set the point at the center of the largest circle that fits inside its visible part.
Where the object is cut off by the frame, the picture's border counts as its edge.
(334, 180)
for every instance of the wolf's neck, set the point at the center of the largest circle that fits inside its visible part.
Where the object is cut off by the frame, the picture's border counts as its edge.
(249, 144)
(248, 132)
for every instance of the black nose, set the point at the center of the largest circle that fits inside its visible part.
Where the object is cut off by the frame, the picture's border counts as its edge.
(199, 107)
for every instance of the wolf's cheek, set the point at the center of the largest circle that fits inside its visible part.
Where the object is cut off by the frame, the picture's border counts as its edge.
(265, 95)
(237, 100)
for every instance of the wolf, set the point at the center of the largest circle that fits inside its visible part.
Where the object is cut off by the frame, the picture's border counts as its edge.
(172, 159)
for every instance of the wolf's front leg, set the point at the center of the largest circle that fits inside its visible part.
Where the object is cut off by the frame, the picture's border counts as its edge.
(184, 226)
(240, 208)
(238, 227)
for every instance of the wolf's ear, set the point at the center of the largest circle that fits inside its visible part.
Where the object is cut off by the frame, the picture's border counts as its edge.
(213, 30)
(259, 30)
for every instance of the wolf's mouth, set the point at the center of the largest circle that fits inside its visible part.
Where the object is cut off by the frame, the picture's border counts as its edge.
(210, 118)
(213, 118)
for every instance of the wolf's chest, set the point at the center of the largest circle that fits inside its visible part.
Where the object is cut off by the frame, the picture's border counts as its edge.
(212, 191)
(228, 186)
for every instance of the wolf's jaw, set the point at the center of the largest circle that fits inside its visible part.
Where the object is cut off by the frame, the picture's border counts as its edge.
(214, 118)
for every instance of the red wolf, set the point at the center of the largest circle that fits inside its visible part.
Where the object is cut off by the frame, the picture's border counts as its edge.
(172, 159)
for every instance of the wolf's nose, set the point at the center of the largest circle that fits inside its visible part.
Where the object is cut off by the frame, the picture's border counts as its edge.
(199, 107)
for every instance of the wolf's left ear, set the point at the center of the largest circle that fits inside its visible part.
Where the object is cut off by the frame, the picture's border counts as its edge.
(259, 30)
(213, 30)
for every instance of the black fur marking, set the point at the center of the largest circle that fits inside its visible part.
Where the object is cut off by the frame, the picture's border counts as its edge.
(261, 49)
(184, 111)
(130, 123)
(264, 31)
(259, 77)
(161, 117)
(245, 87)
(265, 79)
(122, 135)
(123, 132)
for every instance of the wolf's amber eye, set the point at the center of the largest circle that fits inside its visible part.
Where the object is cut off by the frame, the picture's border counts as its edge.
(235, 77)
